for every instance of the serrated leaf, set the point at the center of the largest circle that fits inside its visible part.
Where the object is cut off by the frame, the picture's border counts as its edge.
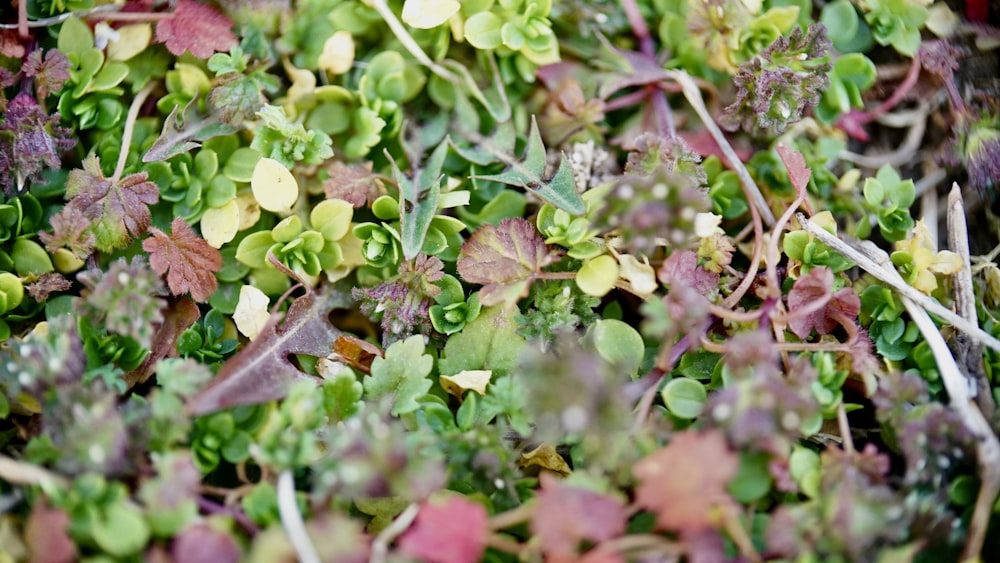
(261, 371)
(197, 28)
(559, 190)
(401, 374)
(505, 259)
(794, 162)
(118, 209)
(189, 262)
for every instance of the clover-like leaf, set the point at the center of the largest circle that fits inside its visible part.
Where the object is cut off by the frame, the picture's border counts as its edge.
(505, 259)
(683, 482)
(840, 308)
(402, 374)
(196, 28)
(189, 262)
(118, 209)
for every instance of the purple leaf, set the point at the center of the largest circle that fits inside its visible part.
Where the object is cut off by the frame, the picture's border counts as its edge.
(505, 259)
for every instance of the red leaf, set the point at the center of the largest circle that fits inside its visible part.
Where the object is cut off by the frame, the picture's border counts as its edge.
(356, 184)
(798, 172)
(47, 536)
(450, 530)
(199, 543)
(811, 288)
(685, 481)
(566, 515)
(261, 371)
(190, 260)
(178, 317)
(118, 210)
(681, 268)
(197, 28)
(505, 259)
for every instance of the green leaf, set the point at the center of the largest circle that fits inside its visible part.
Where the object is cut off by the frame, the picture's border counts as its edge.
(685, 398)
(489, 342)
(401, 374)
(121, 530)
(753, 480)
(506, 259)
(560, 190)
(419, 198)
(483, 30)
(619, 344)
(342, 395)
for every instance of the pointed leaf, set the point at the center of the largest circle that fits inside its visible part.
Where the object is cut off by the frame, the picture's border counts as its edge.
(559, 190)
(419, 199)
(261, 371)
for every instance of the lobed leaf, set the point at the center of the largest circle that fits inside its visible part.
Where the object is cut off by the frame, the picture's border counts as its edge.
(401, 374)
(190, 261)
(118, 210)
(196, 28)
(505, 259)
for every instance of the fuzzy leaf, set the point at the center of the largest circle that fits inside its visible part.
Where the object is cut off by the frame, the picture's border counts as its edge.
(559, 190)
(197, 28)
(795, 163)
(30, 141)
(814, 286)
(356, 184)
(683, 482)
(119, 210)
(681, 268)
(402, 373)
(505, 259)
(190, 260)
(449, 530)
(49, 73)
(261, 371)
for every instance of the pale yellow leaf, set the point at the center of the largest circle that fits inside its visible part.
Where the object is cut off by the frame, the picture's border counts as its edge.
(640, 275)
(249, 209)
(338, 53)
(474, 379)
(220, 224)
(251, 312)
(544, 457)
(273, 186)
(130, 41)
(427, 14)
(598, 276)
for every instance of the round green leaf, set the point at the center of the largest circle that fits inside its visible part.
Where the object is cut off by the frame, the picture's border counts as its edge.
(684, 397)
(121, 531)
(619, 344)
(482, 30)
(598, 276)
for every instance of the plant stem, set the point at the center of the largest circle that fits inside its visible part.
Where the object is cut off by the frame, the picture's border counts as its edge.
(133, 114)
(291, 519)
(407, 40)
(512, 517)
(212, 507)
(380, 546)
(55, 20)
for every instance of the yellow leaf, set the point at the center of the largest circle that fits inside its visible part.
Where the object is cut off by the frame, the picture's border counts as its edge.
(543, 457)
(273, 186)
(249, 210)
(427, 14)
(130, 41)
(640, 275)
(475, 379)
(598, 276)
(338, 53)
(251, 312)
(220, 224)
(946, 262)
(303, 81)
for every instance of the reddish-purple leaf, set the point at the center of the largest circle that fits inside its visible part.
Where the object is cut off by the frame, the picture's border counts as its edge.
(49, 72)
(681, 268)
(47, 536)
(261, 371)
(811, 289)
(190, 261)
(46, 284)
(197, 28)
(118, 211)
(356, 184)
(684, 482)
(200, 543)
(798, 172)
(70, 230)
(179, 316)
(449, 530)
(566, 515)
(505, 259)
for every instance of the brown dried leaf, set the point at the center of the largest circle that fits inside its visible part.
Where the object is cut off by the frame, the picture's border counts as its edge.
(179, 316)
(815, 286)
(355, 184)
(190, 261)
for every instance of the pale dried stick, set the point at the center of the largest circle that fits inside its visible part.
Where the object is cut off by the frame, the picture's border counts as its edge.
(876, 262)
(291, 519)
(968, 354)
(693, 96)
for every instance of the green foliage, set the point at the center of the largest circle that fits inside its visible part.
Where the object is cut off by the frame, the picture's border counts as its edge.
(896, 23)
(852, 74)
(890, 198)
(401, 375)
(519, 29)
(92, 95)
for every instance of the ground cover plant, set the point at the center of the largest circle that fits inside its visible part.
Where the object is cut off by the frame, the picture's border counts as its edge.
(499, 280)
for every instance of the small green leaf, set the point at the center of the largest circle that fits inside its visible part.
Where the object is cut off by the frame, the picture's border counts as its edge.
(121, 530)
(482, 30)
(685, 398)
(619, 344)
